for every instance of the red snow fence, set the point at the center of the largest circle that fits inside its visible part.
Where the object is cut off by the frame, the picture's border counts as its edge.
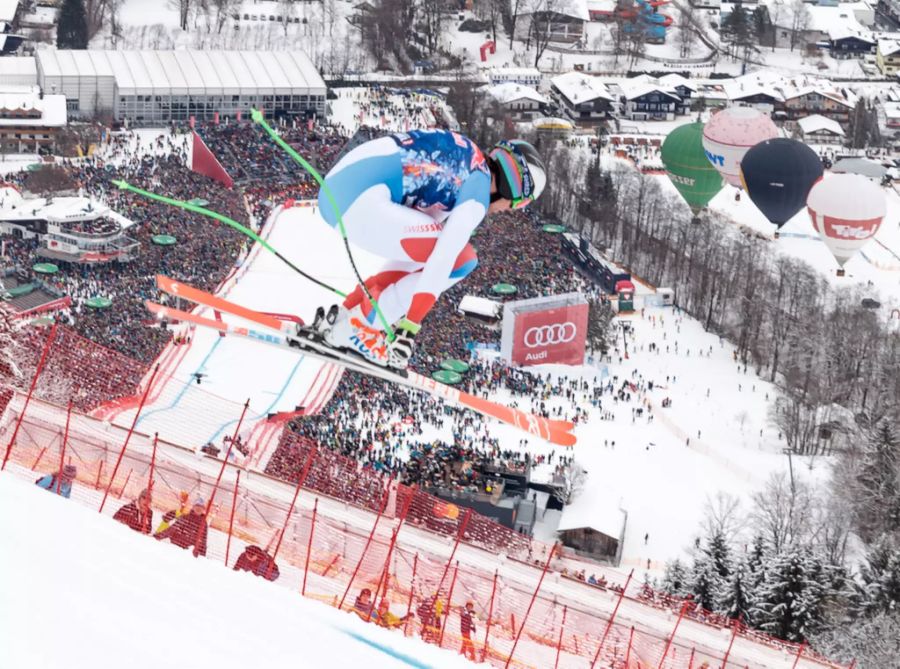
(388, 553)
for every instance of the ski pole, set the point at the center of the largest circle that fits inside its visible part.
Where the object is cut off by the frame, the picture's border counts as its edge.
(260, 120)
(181, 204)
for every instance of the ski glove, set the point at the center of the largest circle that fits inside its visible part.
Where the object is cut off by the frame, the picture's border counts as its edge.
(401, 349)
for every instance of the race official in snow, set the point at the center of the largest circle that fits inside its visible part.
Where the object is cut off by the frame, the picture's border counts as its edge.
(415, 199)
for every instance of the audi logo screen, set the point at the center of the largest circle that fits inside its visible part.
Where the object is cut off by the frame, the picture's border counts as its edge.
(550, 336)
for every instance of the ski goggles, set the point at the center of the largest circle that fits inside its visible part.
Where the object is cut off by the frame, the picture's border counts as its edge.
(516, 174)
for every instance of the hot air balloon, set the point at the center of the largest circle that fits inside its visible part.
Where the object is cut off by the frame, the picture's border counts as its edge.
(846, 210)
(728, 135)
(687, 166)
(777, 175)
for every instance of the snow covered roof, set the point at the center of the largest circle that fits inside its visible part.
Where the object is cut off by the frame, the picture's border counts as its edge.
(481, 306)
(601, 6)
(8, 10)
(891, 110)
(12, 65)
(510, 92)
(796, 89)
(818, 123)
(642, 85)
(757, 83)
(888, 47)
(515, 71)
(577, 87)
(863, 166)
(840, 19)
(188, 71)
(597, 507)
(57, 209)
(672, 80)
(16, 100)
(41, 17)
(844, 32)
(575, 8)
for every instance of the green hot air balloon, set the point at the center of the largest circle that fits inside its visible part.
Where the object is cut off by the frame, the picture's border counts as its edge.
(688, 167)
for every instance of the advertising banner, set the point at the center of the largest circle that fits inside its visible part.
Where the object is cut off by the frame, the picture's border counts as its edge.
(545, 330)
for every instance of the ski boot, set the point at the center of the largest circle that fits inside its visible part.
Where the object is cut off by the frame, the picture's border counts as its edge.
(322, 321)
(351, 331)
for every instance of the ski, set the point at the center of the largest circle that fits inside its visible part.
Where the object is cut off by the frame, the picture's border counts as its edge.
(555, 431)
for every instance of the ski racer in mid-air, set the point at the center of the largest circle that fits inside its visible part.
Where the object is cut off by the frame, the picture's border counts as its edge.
(414, 199)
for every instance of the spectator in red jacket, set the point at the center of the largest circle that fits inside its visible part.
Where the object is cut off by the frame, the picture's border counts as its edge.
(466, 630)
(137, 514)
(257, 561)
(189, 530)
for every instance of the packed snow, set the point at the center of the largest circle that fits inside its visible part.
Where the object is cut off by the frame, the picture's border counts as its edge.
(70, 574)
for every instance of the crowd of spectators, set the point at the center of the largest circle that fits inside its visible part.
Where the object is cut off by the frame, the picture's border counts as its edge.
(204, 254)
(392, 109)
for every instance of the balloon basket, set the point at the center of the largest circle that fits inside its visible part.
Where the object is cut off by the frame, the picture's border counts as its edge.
(841, 272)
(777, 235)
(696, 220)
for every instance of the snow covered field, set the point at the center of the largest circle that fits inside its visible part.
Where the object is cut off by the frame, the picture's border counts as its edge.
(88, 592)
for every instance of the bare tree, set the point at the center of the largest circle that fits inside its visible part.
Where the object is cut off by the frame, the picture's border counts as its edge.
(569, 483)
(722, 516)
(619, 38)
(687, 32)
(184, 10)
(432, 18)
(95, 12)
(799, 22)
(635, 45)
(115, 28)
(544, 16)
(516, 8)
(783, 513)
(223, 10)
(492, 12)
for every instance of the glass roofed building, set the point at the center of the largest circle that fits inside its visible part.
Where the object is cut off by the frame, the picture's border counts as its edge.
(150, 87)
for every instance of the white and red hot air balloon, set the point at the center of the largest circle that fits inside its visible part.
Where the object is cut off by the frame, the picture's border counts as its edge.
(846, 210)
(730, 133)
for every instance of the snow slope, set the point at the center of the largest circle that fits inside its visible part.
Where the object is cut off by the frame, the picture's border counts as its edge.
(82, 591)
(234, 370)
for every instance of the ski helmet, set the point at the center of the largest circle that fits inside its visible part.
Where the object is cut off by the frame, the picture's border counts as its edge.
(520, 172)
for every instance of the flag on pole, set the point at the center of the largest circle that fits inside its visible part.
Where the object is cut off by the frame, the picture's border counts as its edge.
(204, 162)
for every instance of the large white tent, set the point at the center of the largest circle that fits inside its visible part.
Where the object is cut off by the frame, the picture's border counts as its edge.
(158, 86)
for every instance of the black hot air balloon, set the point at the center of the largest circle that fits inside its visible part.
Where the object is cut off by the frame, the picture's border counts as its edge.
(778, 174)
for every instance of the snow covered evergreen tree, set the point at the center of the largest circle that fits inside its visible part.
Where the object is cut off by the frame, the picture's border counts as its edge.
(675, 579)
(72, 29)
(877, 495)
(719, 554)
(792, 596)
(871, 642)
(712, 567)
(880, 590)
(736, 596)
(705, 583)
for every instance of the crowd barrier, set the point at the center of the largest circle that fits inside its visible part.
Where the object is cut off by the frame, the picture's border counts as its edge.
(340, 529)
